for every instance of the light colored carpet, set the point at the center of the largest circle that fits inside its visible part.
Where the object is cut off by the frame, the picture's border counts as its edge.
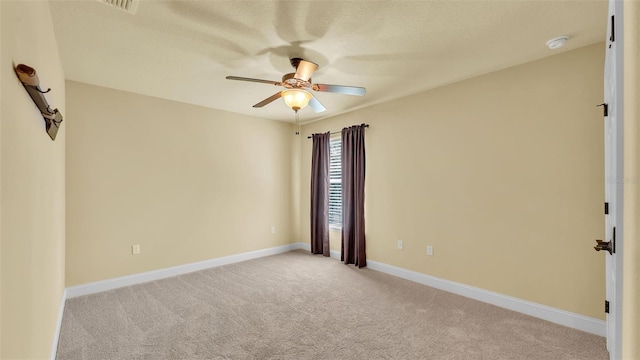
(300, 306)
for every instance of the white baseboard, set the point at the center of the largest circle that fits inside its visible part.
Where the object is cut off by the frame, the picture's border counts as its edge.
(110, 284)
(562, 317)
(56, 335)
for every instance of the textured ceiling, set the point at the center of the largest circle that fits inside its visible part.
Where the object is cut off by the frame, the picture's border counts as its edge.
(182, 50)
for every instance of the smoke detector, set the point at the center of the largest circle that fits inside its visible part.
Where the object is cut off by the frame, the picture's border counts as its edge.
(129, 6)
(557, 43)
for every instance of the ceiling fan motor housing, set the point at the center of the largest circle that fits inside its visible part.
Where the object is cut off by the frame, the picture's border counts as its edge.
(289, 81)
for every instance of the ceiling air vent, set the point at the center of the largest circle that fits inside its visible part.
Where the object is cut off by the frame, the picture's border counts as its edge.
(129, 6)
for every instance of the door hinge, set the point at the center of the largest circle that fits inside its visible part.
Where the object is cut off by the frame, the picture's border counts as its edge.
(606, 208)
(613, 241)
(605, 108)
(612, 38)
(606, 306)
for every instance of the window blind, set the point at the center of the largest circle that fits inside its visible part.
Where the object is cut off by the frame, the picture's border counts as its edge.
(335, 182)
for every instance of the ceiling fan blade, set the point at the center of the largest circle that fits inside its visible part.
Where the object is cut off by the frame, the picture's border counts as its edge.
(340, 89)
(315, 105)
(277, 83)
(305, 69)
(268, 100)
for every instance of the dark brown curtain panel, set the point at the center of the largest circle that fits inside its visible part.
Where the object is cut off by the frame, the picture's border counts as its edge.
(320, 194)
(353, 168)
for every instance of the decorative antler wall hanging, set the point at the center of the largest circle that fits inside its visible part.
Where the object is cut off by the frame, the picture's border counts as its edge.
(30, 81)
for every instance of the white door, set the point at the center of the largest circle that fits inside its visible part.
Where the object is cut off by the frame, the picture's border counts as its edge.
(613, 177)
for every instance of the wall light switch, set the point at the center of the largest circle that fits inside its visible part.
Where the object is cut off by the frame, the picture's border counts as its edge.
(273, 229)
(429, 250)
(400, 245)
(135, 249)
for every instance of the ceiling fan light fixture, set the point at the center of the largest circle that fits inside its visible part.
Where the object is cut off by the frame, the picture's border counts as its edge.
(296, 99)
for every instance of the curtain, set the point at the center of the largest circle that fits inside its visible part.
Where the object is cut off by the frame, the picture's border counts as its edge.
(320, 194)
(353, 169)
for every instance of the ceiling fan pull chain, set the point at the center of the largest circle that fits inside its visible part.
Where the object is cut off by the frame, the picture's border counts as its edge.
(297, 123)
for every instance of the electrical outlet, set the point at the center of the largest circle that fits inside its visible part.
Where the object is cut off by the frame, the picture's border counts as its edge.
(135, 249)
(429, 250)
(400, 245)
(273, 229)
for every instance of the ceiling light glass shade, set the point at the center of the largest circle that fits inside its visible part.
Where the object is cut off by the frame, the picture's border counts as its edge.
(296, 99)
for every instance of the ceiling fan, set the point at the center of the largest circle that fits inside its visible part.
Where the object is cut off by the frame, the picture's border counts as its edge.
(296, 94)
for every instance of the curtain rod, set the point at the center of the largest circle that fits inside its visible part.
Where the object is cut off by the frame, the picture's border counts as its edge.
(336, 132)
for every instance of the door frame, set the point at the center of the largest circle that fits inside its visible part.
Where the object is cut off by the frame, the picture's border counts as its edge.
(614, 337)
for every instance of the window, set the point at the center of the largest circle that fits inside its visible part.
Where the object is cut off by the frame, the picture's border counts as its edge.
(335, 182)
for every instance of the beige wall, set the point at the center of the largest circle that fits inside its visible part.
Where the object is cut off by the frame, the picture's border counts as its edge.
(33, 186)
(186, 183)
(502, 174)
(631, 256)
